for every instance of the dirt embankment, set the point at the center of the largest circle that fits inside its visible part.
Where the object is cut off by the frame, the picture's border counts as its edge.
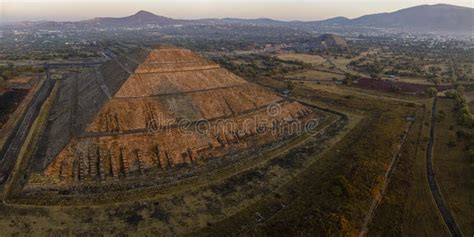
(9, 101)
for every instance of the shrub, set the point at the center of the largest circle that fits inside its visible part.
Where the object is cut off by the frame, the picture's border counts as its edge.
(431, 91)
(290, 85)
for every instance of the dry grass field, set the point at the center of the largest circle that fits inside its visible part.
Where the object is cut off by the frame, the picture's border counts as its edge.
(469, 96)
(314, 75)
(396, 196)
(341, 62)
(307, 58)
(414, 80)
(408, 196)
(452, 167)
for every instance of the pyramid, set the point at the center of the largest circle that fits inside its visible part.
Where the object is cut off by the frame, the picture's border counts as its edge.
(156, 109)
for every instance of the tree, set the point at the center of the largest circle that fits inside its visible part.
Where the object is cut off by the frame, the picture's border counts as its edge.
(374, 75)
(395, 88)
(290, 85)
(460, 89)
(7, 74)
(431, 91)
(349, 79)
(437, 81)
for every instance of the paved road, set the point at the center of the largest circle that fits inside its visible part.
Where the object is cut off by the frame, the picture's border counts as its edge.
(434, 187)
(13, 145)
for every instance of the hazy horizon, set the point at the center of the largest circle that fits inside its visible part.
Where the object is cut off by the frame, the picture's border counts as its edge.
(59, 10)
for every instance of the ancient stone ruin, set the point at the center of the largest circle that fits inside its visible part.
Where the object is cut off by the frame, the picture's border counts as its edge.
(158, 108)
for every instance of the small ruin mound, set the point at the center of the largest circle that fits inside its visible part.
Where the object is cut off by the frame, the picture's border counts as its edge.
(332, 41)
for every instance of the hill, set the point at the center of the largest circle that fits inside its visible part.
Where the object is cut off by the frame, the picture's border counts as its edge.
(423, 18)
(440, 17)
(332, 41)
(330, 22)
(141, 18)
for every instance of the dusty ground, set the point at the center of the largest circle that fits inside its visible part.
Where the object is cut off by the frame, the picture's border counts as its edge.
(20, 80)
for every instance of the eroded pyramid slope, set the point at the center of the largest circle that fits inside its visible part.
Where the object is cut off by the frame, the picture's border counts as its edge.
(168, 107)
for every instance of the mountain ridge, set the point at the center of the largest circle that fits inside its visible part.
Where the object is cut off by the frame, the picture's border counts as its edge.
(437, 17)
(137, 19)
(429, 17)
(423, 17)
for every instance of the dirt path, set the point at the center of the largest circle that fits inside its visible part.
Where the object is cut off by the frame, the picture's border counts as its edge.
(434, 187)
(343, 72)
(376, 201)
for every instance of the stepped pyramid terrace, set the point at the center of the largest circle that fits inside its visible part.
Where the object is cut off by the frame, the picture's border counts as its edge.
(158, 109)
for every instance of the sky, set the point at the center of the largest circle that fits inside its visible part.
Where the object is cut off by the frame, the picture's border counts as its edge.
(73, 10)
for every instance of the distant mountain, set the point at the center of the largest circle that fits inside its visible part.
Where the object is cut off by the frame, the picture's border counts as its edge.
(331, 22)
(439, 17)
(141, 18)
(239, 21)
(424, 18)
(259, 21)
